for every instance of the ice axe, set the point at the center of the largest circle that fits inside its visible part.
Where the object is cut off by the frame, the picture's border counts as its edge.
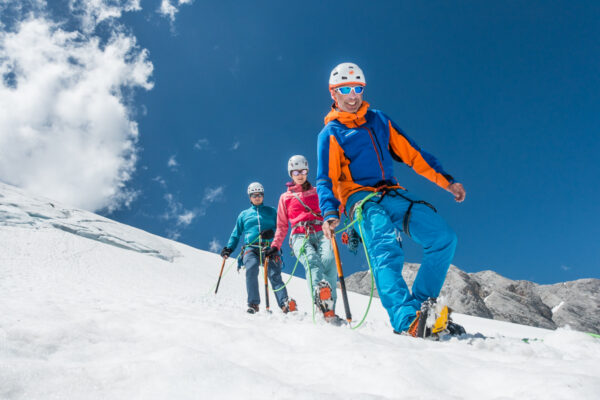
(267, 282)
(338, 263)
(220, 275)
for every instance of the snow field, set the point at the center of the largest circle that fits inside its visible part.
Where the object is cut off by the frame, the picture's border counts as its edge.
(80, 319)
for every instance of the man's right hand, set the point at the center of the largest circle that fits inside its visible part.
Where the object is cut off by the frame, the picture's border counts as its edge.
(329, 227)
(226, 252)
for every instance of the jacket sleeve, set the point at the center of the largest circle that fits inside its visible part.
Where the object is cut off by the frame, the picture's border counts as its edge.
(328, 173)
(282, 223)
(237, 232)
(405, 150)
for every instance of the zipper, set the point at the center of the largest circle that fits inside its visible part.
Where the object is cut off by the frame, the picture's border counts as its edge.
(379, 158)
(258, 219)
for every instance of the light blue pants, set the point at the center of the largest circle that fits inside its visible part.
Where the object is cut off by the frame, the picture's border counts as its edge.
(252, 262)
(318, 257)
(427, 228)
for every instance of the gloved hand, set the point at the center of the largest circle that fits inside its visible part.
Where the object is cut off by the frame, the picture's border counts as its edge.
(267, 234)
(226, 252)
(271, 251)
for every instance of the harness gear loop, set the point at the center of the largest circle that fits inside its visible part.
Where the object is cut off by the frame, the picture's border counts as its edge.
(382, 189)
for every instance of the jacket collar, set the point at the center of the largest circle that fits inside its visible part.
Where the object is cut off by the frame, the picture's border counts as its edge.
(351, 120)
(292, 187)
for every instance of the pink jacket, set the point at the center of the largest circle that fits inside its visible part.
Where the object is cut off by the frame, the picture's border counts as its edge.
(290, 210)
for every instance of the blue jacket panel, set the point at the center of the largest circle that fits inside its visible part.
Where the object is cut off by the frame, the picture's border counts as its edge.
(250, 223)
(351, 159)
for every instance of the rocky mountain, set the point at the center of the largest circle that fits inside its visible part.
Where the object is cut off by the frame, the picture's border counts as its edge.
(490, 295)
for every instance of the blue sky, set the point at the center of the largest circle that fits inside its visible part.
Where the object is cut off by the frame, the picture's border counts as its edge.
(506, 96)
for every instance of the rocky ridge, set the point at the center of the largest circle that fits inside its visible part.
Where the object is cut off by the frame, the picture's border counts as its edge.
(490, 295)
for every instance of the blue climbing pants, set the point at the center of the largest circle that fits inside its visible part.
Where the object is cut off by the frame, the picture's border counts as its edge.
(252, 261)
(381, 219)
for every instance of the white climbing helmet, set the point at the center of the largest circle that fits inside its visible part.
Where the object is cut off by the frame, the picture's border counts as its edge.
(346, 73)
(255, 187)
(297, 163)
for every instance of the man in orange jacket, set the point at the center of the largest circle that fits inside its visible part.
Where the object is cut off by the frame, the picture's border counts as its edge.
(356, 150)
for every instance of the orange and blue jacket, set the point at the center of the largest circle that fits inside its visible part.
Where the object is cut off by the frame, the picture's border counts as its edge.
(356, 152)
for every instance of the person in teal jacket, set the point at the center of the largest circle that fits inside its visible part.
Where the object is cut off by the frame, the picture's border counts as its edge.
(257, 225)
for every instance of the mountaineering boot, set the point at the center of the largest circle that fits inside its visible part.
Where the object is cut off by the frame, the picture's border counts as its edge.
(325, 303)
(442, 316)
(323, 299)
(289, 306)
(414, 326)
(335, 320)
(431, 321)
(252, 308)
(455, 329)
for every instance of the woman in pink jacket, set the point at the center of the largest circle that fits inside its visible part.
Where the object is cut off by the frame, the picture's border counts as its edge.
(299, 206)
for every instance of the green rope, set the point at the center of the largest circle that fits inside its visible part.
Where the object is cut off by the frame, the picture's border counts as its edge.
(295, 266)
(307, 265)
(312, 295)
(346, 227)
(372, 278)
(359, 219)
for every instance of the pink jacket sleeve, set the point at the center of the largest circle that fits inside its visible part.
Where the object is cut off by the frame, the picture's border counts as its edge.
(282, 223)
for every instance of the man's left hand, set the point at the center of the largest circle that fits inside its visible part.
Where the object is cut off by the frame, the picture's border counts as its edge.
(458, 191)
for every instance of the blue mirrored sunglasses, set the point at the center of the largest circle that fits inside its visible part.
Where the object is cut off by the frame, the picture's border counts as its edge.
(254, 195)
(348, 89)
(303, 172)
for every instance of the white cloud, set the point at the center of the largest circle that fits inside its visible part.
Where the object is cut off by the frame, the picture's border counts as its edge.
(186, 218)
(201, 144)
(172, 163)
(160, 181)
(215, 246)
(176, 212)
(66, 131)
(212, 195)
(168, 8)
(236, 145)
(93, 12)
(565, 267)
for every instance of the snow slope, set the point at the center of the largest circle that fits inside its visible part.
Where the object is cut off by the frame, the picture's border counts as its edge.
(135, 317)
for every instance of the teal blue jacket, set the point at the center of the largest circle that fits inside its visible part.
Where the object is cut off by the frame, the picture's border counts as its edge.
(251, 222)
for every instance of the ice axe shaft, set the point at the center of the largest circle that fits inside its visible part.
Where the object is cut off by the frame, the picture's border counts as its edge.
(220, 275)
(338, 263)
(267, 282)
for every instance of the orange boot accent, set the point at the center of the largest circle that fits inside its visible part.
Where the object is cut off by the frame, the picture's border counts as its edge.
(325, 293)
(292, 305)
(412, 329)
(329, 314)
